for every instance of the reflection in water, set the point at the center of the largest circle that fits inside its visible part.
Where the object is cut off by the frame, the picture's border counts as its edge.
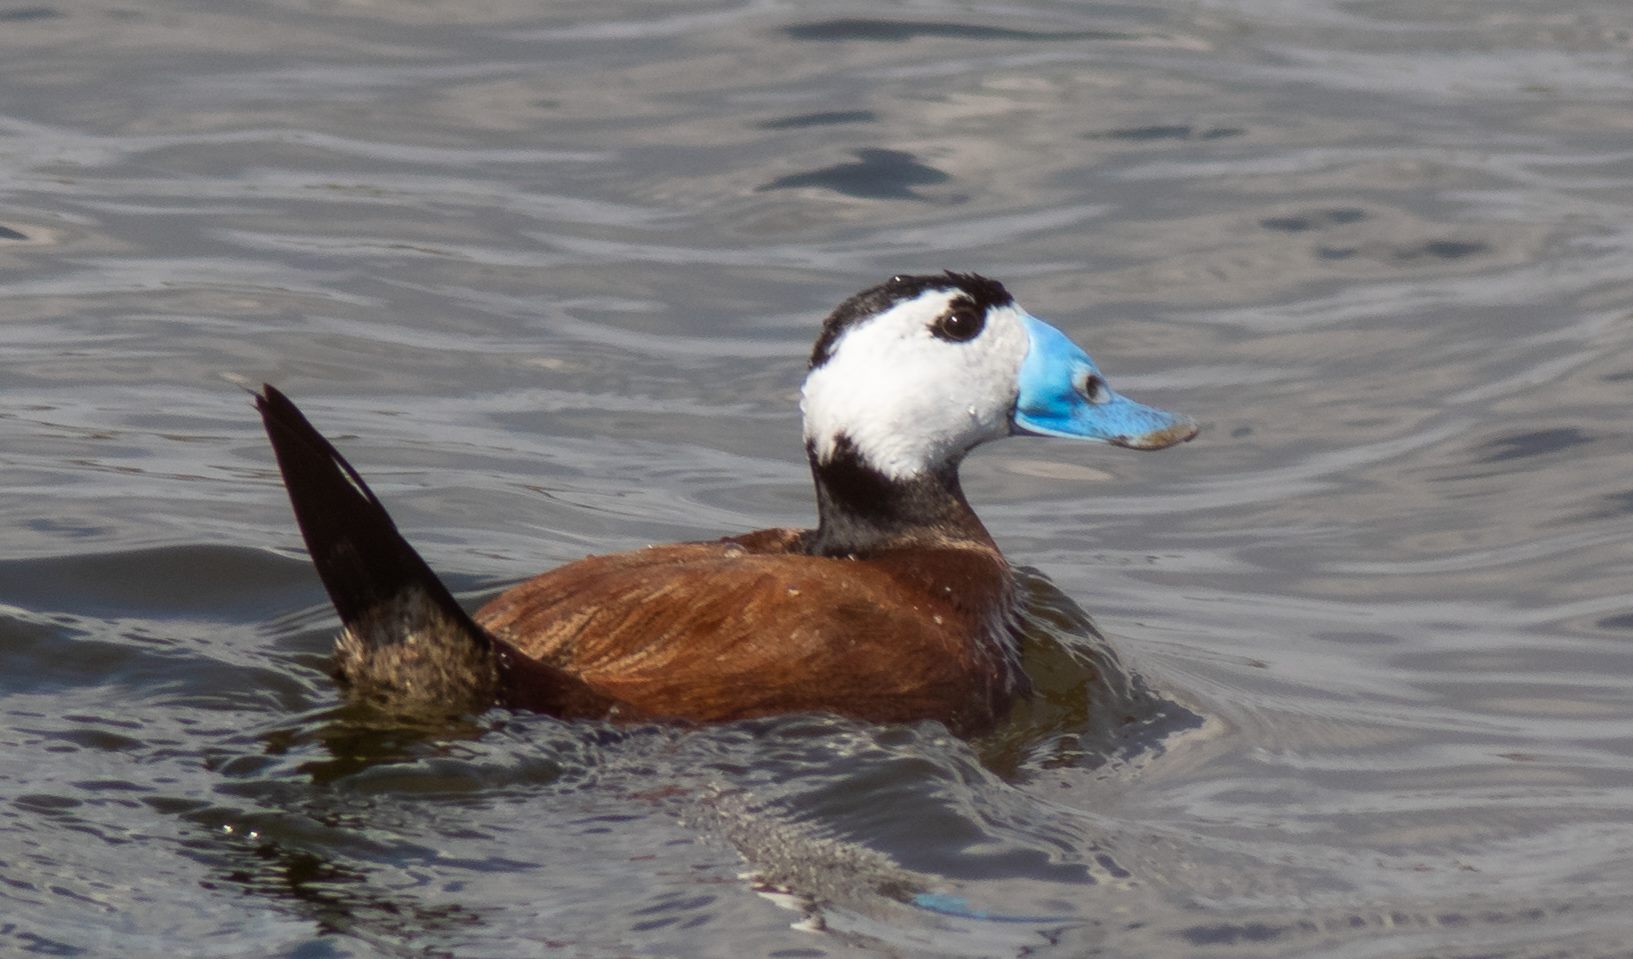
(1311, 221)
(876, 175)
(1167, 132)
(1087, 708)
(822, 119)
(1536, 443)
(899, 31)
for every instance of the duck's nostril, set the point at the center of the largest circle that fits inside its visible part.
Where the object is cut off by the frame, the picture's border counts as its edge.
(1092, 387)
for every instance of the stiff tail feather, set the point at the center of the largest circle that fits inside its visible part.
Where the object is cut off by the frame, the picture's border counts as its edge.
(406, 641)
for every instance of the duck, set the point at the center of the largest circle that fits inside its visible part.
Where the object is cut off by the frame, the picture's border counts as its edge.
(897, 606)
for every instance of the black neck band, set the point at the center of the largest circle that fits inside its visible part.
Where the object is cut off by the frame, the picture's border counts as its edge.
(861, 509)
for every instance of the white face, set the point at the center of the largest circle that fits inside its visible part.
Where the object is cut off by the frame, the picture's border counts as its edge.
(911, 400)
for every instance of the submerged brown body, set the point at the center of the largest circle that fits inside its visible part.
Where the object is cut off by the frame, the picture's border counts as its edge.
(753, 626)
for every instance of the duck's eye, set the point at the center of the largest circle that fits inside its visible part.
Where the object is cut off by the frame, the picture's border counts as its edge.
(1091, 386)
(959, 324)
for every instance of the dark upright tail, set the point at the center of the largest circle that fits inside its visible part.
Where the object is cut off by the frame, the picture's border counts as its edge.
(406, 641)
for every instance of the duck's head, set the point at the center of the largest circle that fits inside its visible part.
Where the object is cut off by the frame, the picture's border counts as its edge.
(912, 374)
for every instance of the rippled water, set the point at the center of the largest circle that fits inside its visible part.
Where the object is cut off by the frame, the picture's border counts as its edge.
(549, 278)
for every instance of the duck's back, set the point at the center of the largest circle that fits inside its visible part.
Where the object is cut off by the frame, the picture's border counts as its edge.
(752, 625)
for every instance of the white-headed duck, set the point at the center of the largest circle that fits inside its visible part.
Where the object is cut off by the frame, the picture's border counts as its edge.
(898, 606)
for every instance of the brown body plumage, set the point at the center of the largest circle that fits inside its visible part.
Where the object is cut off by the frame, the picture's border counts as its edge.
(752, 626)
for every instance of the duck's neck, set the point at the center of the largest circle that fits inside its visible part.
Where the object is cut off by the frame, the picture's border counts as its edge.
(861, 510)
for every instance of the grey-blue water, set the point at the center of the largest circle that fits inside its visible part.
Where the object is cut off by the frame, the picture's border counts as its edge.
(548, 274)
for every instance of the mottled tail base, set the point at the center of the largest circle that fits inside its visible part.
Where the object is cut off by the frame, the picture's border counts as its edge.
(407, 654)
(406, 643)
